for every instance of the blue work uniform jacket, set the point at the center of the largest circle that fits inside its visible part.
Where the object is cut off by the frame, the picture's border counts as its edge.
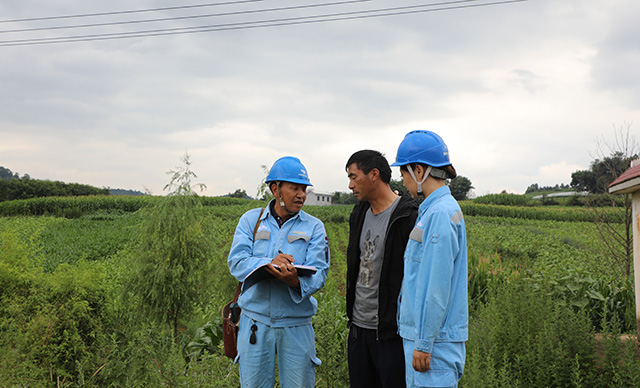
(433, 302)
(271, 301)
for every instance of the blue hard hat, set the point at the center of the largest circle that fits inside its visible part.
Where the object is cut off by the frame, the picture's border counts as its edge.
(424, 147)
(289, 169)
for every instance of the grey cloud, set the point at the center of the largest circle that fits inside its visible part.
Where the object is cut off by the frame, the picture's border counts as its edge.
(616, 64)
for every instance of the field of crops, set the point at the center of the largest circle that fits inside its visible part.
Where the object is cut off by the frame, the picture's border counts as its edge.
(540, 287)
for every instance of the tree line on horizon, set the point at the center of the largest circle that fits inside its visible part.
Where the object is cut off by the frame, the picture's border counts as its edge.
(13, 187)
(595, 180)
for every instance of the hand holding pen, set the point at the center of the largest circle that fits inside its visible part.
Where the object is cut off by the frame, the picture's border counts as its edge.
(281, 267)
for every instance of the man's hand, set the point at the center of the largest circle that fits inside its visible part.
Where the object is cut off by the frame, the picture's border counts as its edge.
(281, 268)
(421, 361)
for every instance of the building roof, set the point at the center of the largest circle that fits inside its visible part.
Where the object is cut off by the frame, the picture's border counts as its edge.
(628, 181)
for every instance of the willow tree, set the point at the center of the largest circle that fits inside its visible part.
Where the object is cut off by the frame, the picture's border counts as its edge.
(172, 256)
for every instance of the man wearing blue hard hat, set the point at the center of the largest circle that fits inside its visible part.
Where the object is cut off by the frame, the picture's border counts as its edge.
(275, 324)
(433, 317)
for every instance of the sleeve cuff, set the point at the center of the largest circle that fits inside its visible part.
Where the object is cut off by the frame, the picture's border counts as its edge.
(297, 293)
(424, 346)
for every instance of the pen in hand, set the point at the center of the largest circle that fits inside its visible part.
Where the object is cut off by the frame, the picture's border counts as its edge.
(280, 252)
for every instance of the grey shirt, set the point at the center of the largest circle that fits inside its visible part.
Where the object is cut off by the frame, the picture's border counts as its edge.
(372, 238)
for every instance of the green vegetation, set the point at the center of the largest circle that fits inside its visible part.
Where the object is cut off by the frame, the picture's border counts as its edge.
(70, 316)
(13, 187)
(171, 259)
(602, 172)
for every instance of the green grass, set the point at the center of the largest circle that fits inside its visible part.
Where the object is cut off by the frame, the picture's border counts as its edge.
(549, 249)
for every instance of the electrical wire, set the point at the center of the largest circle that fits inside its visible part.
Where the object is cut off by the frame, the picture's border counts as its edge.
(129, 11)
(342, 16)
(186, 17)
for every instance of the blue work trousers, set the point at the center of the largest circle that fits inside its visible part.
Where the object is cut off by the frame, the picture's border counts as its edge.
(294, 348)
(447, 365)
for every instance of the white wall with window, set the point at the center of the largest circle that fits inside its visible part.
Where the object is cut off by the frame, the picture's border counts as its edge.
(318, 198)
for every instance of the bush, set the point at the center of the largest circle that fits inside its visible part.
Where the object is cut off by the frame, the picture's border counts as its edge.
(50, 323)
(511, 346)
(609, 303)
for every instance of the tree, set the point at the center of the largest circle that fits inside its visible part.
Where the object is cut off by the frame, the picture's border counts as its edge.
(172, 256)
(558, 187)
(238, 194)
(342, 198)
(26, 188)
(264, 192)
(617, 242)
(5, 173)
(603, 171)
(397, 185)
(460, 187)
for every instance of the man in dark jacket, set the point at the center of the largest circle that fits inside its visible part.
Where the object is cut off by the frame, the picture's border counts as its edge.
(379, 229)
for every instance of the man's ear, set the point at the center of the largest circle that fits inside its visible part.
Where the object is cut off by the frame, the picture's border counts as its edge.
(274, 189)
(419, 172)
(374, 174)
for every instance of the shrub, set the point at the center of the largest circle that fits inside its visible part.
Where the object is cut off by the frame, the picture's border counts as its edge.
(609, 303)
(50, 323)
(172, 260)
(511, 346)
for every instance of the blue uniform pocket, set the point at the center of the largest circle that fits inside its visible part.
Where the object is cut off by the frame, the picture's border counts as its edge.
(260, 246)
(436, 378)
(263, 235)
(297, 247)
(416, 234)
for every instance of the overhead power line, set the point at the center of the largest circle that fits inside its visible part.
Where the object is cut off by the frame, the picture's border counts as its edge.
(235, 13)
(340, 16)
(129, 11)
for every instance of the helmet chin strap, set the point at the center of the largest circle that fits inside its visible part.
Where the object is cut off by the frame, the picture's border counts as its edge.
(424, 178)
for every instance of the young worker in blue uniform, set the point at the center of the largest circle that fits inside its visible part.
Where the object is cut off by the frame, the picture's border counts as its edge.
(276, 312)
(433, 317)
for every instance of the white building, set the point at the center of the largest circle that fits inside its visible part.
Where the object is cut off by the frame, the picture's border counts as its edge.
(318, 198)
(563, 194)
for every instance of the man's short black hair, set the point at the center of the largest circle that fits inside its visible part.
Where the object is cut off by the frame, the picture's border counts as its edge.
(367, 160)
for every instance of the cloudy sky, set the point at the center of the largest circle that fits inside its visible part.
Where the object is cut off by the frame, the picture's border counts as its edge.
(521, 92)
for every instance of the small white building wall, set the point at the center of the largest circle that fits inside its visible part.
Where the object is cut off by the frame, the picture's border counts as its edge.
(318, 198)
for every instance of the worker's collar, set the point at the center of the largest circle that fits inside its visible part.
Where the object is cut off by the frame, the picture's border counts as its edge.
(272, 208)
